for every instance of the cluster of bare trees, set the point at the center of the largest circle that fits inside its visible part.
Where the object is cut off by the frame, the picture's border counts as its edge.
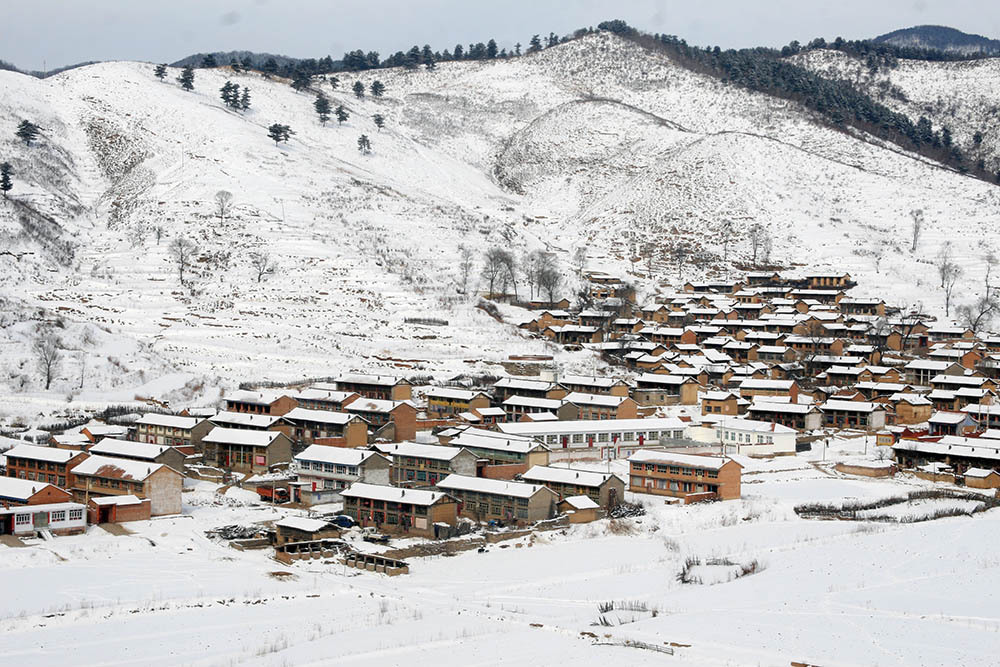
(949, 271)
(501, 272)
(48, 354)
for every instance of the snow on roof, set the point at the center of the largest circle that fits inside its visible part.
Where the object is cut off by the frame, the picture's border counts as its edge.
(379, 380)
(592, 426)
(662, 379)
(912, 399)
(117, 468)
(929, 365)
(116, 500)
(532, 402)
(545, 416)
(241, 436)
(965, 380)
(955, 445)
(981, 473)
(373, 405)
(518, 383)
(785, 408)
(20, 489)
(944, 417)
(392, 494)
(170, 421)
(689, 460)
(475, 438)
(315, 393)
(753, 383)
(256, 397)
(588, 380)
(128, 448)
(581, 503)
(337, 455)
(499, 487)
(453, 393)
(302, 523)
(418, 450)
(319, 416)
(99, 429)
(39, 453)
(247, 419)
(491, 412)
(579, 398)
(546, 474)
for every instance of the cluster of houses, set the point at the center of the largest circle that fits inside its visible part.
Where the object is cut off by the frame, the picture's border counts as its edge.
(759, 367)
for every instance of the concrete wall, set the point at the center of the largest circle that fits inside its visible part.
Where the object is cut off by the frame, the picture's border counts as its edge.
(163, 488)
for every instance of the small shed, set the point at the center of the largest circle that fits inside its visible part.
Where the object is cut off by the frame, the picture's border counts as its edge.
(982, 478)
(303, 529)
(118, 509)
(580, 509)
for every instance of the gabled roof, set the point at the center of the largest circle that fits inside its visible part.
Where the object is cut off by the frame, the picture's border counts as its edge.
(39, 453)
(335, 455)
(118, 468)
(494, 486)
(393, 494)
(241, 436)
(128, 449)
(170, 421)
(20, 490)
(547, 474)
(688, 460)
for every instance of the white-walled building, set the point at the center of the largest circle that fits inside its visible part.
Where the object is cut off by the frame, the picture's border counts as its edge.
(746, 436)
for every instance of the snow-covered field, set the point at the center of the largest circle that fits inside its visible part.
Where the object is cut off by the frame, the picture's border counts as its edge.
(825, 592)
(595, 144)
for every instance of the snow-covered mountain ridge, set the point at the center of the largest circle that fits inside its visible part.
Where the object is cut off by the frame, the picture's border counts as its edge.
(595, 143)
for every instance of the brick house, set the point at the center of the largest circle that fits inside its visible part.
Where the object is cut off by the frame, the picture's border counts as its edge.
(43, 464)
(173, 431)
(664, 389)
(140, 451)
(246, 451)
(507, 387)
(484, 499)
(395, 510)
(324, 427)
(853, 414)
(118, 509)
(760, 387)
(596, 406)
(382, 387)
(720, 403)
(16, 492)
(688, 476)
(800, 416)
(325, 397)
(586, 384)
(389, 420)
(452, 401)
(326, 471)
(260, 402)
(415, 464)
(604, 489)
(105, 476)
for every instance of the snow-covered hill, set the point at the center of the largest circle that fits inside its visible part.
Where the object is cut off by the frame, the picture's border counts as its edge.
(596, 143)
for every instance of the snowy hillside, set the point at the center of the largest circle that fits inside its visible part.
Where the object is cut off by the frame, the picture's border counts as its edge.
(596, 143)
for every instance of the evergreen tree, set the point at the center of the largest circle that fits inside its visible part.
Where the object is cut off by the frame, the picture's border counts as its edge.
(377, 88)
(413, 58)
(517, 49)
(459, 52)
(359, 89)
(230, 94)
(431, 65)
(364, 145)
(322, 106)
(301, 80)
(208, 62)
(279, 132)
(234, 65)
(491, 49)
(535, 44)
(341, 114)
(246, 63)
(186, 78)
(379, 121)
(160, 71)
(245, 99)
(426, 54)
(270, 67)
(27, 132)
(6, 184)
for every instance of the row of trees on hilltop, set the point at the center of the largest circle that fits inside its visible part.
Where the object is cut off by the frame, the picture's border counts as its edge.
(839, 102)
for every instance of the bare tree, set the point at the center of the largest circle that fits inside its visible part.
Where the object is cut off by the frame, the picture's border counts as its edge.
(263, 265)
(917, 216)
(909, 320)
(759, 239)
(978, 314)
(951, 279)
(549, 282)
(465, 265)
(944, 263)
(493, 268)
(223, 204)
(580, 260)
(509, 276)
(158, 231)
(48, 356)
(728, 234)
(183, 251)
(678, 253)
(990, 259)
(531, 266)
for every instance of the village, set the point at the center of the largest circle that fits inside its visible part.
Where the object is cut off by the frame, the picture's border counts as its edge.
(698, 384)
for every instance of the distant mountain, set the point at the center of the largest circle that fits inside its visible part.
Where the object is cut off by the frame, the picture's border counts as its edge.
(224, 58)
(940, 38)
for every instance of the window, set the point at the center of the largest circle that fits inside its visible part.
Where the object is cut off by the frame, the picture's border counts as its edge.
(56, 517)
(603, 437)
(22, 519)
(577, 438)
(628, 436)
(522, 514)
(422, 475)
(522, 501)
(341, 469)
(552, 439)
